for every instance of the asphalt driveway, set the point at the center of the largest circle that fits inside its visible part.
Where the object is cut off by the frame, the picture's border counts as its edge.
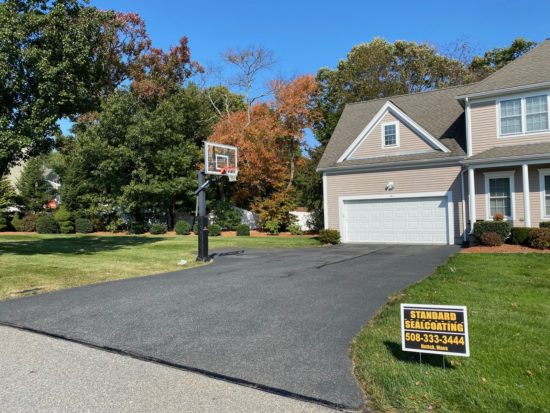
(280, 320)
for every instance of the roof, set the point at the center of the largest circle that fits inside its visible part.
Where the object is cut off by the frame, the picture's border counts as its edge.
(533, 68)
(437, 111)
(511, 151)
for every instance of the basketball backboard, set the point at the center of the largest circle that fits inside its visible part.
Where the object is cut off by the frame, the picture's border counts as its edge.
(220, 159)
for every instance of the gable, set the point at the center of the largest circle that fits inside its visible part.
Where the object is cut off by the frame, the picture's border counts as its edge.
(390, 109)
(409, 141)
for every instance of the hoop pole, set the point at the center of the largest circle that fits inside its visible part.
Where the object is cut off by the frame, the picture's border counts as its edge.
(202, 223)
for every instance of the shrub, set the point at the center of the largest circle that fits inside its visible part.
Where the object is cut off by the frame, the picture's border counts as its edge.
(539, 238)
(158, 228)
(500, 227)
(45, 224)
(83, 225)
(28, 223)
(295, 229)
(116, 225)
(329, 236)
(136, 228)
(226, 215)
(196, 228)
(498, 217)
(183, 228)
(16, 222)
(544, 224)
(214, 230)
(243, 230)
(64, 220)
(272, 227)
(491, 239)
(277, 207)
(520, 235)
(3, 221)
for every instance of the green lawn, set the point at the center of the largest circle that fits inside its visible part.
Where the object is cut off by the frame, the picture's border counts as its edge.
(32, 264)
(508, 300)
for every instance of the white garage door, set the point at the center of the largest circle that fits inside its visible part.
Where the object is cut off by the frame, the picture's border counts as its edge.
(405, 220)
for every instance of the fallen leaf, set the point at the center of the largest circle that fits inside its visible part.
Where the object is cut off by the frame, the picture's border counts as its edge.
(430, 407)
(529, 373)
(484, 380)
(417, 383)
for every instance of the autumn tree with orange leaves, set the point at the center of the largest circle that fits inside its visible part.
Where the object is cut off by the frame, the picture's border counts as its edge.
(269, 139)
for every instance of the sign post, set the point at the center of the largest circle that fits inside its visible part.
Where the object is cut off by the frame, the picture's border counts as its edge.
(435, 329)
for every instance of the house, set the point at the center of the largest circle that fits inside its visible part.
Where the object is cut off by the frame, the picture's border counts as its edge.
(423, 167)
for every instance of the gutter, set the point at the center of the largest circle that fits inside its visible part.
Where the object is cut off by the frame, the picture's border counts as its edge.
(394, 165)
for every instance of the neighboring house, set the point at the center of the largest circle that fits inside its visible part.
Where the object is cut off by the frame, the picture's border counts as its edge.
(422, 168)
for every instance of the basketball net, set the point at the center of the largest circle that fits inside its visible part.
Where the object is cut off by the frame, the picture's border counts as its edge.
(231, 173)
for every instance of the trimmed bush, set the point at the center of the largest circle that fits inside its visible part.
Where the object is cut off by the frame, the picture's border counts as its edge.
(243, 230)
(28, 223)
(214, 230)
(196, 228)
(183, 228)
(539, 238)
(16, 222)
(544, 224)
(491, 239)
(158, 228)
(295, 229)
(500, 227)
(520, 235)
(84, 226)
(329, 236)
(64, 220)
(272, 227)
(137, 228)
(45, 224)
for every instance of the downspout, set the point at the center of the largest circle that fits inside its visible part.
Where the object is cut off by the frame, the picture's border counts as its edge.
(464, 219)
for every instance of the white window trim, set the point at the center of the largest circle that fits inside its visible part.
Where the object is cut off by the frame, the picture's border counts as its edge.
(542, 174)
(450, 209)
(397, 138)
(524, 131)
(501, 174)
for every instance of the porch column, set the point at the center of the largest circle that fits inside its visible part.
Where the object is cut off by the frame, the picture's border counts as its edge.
(526, 201)
(471, 199)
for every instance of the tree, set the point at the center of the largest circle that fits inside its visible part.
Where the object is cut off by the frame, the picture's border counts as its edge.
(8, 196)
(380, 69)
(33, 188)
(492, 60)
(138, 158)
(249, 63)
(309, 187)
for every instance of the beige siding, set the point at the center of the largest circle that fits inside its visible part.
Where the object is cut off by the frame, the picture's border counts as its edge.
(534, 194)
(484, 129)
(406, 181)
(371, 146)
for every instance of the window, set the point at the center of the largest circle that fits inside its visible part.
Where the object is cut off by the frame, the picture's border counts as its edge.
(536, 109)
(499, 197)
(499, 192)
(544, 178)
(547, 195)
(391, 134)
(524, 115)
(510, 116)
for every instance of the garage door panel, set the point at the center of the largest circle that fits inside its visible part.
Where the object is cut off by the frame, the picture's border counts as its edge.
(405, 220)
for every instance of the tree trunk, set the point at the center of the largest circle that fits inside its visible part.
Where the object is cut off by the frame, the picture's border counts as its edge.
(292, 166)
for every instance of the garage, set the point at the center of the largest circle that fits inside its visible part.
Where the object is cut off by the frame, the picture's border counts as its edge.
(406, 219)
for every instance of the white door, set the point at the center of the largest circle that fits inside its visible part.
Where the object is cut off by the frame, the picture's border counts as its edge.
(401, 220)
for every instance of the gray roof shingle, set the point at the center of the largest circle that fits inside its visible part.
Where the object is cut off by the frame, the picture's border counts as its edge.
(509, 151)
(437, 111)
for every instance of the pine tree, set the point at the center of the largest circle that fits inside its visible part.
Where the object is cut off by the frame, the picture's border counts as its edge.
(33, 188)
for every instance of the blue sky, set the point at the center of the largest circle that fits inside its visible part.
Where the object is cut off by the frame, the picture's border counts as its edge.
(307, 35)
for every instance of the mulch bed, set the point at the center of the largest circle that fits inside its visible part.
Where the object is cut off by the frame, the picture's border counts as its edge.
(173, 234)
(503, 249)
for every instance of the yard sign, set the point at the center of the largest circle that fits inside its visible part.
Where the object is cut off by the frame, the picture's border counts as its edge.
(435, 329)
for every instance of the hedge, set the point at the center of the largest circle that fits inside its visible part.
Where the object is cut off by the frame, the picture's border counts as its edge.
(83, 226)
(214, 230)
(243, 230)
(520, 235)
(500, 227)
(329, 236)
(28, 223)
(158, 228)
(45, 224)
(182, 228)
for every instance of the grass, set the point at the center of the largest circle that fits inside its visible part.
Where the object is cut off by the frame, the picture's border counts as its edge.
(32, 264)
(508, 300)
